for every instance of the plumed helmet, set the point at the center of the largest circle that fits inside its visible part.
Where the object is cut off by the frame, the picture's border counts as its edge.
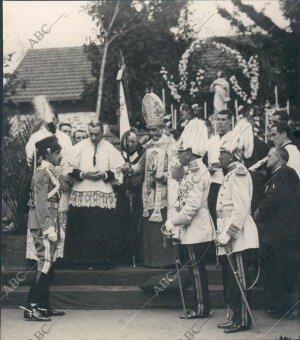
(48, 144)
(241, 141)
(194, 136)
(43, 109)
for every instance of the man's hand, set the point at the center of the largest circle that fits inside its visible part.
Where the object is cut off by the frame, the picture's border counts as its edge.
(169, 225)
(51, 234)
(125, 168)
(94, 176)
(223, 239)
(66, 182)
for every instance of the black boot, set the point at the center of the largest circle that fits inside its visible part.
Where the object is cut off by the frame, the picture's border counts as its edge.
(51, 312)
(226, 324)
(32, 313)
(45, 307)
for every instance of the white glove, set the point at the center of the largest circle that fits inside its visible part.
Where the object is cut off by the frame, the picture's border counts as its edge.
(52, 235)
(62, 234)
(223, 239)
(169, 226)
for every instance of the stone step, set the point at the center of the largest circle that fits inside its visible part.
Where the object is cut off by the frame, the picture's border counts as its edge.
(120, 276)
(118, 297)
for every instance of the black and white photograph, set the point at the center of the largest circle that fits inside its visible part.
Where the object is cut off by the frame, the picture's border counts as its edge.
(150, 170)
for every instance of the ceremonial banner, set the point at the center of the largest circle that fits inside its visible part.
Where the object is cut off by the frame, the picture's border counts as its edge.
(124, 120)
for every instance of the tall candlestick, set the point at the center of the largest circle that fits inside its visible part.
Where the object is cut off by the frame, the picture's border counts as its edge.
(175, 119)
(205, 110)
(266, 126)
(214, 122)
(236, 110)
(172, 115)
(163, 94)
(276, 96)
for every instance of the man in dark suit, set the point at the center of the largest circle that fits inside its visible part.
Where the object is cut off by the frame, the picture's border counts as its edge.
(279, 231)
(260, 151)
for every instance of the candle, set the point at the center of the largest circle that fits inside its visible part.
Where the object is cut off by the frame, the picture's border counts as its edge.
(266, 126)
(232, 121)
(172, 115)
(215, 124)
(175, 119)
(205, 110)
(163, 93)
(288, 107)
(276, 96)
(236, 110)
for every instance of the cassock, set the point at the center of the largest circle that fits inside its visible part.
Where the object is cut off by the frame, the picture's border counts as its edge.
(278, 221)
(92, 217)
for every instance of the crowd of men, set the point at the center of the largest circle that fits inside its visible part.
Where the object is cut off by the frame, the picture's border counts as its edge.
(200, 187)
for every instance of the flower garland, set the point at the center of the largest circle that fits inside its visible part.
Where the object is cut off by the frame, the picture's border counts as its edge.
(195, 85)
(250, 69)
(171, 85)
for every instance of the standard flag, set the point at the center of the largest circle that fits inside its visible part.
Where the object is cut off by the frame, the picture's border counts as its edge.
(124, 120)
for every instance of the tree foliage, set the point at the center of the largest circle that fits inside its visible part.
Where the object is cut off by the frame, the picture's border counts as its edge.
(278, 48)
(146, 46)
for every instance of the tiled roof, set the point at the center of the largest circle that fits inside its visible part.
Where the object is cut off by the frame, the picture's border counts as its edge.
(57, 73)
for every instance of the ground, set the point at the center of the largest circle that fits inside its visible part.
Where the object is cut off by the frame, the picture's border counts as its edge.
(143, 324)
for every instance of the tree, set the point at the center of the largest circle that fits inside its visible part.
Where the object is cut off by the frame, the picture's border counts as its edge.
(277, 48)
(115, 20)
(10, 83)
(17, 175)
(146, 45)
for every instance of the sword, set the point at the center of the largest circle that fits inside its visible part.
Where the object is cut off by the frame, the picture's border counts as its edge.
(177, 262)
(236, 275)
(167, 234)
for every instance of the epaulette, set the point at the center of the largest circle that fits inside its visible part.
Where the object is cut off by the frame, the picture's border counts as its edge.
(241, 171)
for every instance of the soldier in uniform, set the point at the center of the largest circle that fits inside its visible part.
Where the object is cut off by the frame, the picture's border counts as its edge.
(44, 228)
(236, 231)
(192, 223)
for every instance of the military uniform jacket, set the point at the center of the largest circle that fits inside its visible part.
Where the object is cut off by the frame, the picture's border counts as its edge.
(193, 213)
(45, 198)
(233, 209)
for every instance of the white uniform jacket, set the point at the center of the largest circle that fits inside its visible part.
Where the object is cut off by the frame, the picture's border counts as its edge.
(193, 214)
(233, 210)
